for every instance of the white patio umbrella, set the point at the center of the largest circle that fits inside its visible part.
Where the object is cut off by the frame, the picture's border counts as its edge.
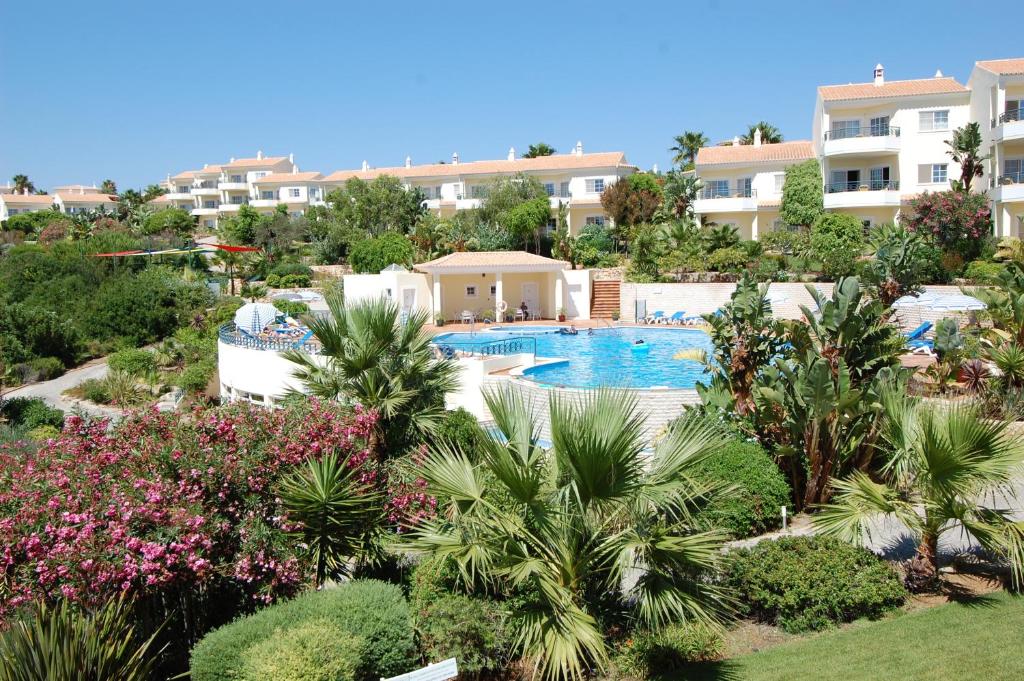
(254, 317)
(954, 302)
(922, 300)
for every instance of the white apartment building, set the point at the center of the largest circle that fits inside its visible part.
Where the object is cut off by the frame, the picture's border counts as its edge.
(574, 180)
(69, 199)
(879, 143)
(997, 104)
(12, 203)
(743, 183)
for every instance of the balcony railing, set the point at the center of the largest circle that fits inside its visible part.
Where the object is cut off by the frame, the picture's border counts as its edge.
(230, 335)
(870, 131)
(871, 185)
(507, 346)
(1010, 178)
(727, 193)
(1008, 116)
(558, 194)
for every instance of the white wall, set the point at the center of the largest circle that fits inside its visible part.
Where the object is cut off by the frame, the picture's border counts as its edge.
(255, 372)
(576, 290)
(392, 285)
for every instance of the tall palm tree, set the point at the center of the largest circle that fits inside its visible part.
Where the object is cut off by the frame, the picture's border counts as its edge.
(108, 187)
(965, 149)
(769, 134)
(229, 260)
(944, 470)
(372, 358)
(686, 147)
(23, 185)
(591, 527)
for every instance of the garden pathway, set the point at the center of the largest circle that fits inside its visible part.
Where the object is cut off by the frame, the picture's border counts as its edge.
(52, 391)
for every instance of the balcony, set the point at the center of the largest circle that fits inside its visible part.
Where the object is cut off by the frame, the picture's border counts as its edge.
(862, 194)
(1008, 188)
(1009, 126)
(718, 199)
(233, 207)
(264, 203)
(204, 211)
(875, 139)
(205, 190)
(179, 195)
(231, 185)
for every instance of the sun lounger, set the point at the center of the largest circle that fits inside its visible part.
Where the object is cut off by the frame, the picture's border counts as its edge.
(919, 332)
(676, 318)
(654, 318)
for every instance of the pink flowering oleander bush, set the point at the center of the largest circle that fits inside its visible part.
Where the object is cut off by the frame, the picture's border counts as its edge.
(958, 221)
(179, 513)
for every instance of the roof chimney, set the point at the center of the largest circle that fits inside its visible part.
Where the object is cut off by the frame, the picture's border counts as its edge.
(879, 75)
(578, 150)
(231, 160)
(654, 169)
(757, 137)
(408, 161)
(291, 157)
(259, 155)
(511, 153)
(735, 140)
(938, 73)
(455, 158)
(295, 169)
(366, 166)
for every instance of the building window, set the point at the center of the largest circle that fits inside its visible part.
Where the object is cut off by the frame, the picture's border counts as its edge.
(595, 220)
(477, 191)
(12, 211)
(933, 120)
(780, 180)
(549, 188)
(595, 185)
(183, 190)
(267, 196)
(208, 223)
(471, 291)
(717, 189)
(939, 173)
(494, 289)
(238, 200)
(744, 187)
(1013, 169)
(844, 129)
(237, 178)
(209, 204)
(294, 192)
(259, 174)
(552, 225)
(563, 190)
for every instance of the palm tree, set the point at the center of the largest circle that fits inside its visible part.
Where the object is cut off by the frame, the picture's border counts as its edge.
(229, 260)
(769, 134)
(372, 358)
(944, 469)
(686, 147)
(539, 149)
(339, 519)
(965, 149)
(108, 187)
(23, 185)
(591, 527)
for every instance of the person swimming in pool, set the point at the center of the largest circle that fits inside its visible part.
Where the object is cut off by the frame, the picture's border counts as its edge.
(590, 332)
(641, 341)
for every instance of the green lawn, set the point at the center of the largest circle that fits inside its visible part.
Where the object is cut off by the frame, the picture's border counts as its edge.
(976, 640)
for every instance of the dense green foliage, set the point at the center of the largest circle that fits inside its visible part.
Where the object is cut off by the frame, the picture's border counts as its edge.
(959, 221)
(460, 429)
(374, 254)
(802, 583)
(900, 265)
(132, 361)
(30, 412)
(27, 332)
(760, 490)
(803, 198)
(651, 654)
(837, 240)
(369, 610)
(311, 650)
(175, 220)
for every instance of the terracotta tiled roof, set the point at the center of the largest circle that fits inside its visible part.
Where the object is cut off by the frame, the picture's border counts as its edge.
(160, 200)
(208, 170)
(610, 159)
(894, 88)
(797, 150)
(285, 178)
(75, 197)
(254, 162)
(186, 175)
(1004, 67)
(491, 259)
(26, 198)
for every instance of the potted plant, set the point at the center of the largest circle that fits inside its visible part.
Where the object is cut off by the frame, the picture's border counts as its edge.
(615, 316)
(439, 320)
(561, 314)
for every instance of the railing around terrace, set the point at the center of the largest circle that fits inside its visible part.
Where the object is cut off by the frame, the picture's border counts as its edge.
(1009, 178)
(725, 192)
(230, 335)
(870, 185)
(869, 131)
(1011, 115)
(484, 348)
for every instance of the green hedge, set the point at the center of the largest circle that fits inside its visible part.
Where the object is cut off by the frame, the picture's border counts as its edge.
(461, 430)
(809, 583)
(759, 491)
(30, 413)
(372, 611)
(132, 361)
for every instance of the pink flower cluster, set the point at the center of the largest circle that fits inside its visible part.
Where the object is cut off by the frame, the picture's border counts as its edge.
(952, 217)
(161, 501)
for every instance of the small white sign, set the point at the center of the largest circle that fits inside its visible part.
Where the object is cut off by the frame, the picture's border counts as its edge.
(439, 671)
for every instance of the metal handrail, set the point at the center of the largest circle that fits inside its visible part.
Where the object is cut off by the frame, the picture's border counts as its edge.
(506, 346)
(710, 192)
(1011, 178)
(1012, 115)
(869, 131)
(870, 185)
(230, 335)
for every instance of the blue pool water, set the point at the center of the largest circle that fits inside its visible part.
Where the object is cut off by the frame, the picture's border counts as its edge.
(608, 357)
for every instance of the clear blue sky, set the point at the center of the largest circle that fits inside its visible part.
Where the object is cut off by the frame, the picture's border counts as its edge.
(132, 91)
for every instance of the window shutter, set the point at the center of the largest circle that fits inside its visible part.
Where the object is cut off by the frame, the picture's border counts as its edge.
(924, 173)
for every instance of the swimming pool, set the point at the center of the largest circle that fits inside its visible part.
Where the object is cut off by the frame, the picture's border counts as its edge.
(607, 357)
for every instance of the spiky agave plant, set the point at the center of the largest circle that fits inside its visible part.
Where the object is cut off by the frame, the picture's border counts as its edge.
(65, 643)
(592, 528)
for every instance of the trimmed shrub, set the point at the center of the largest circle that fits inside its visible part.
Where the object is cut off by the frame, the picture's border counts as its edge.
(318, 650)
(273, 281)
(754, 505)
(287, 268)
(837, 240)
(134, 362)
(195, 377)
(650, 653)
(461, 430)
(731, 259)
(810, 583)
(31, 412)
(47, 367)
(95, 390)
(471, 630)
(371, 610)
(981, 272)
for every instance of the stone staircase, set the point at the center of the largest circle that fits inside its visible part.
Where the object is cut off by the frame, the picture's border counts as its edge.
(604, 300)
